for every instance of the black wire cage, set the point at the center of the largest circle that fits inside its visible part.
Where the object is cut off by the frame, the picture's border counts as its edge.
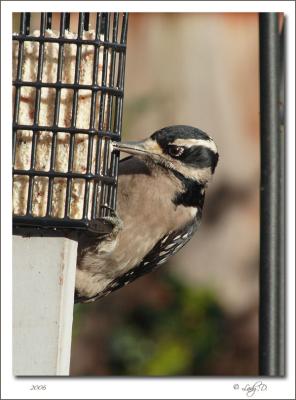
(68, 86)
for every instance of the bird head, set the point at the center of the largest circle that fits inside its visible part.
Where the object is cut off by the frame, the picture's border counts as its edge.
(181, 149)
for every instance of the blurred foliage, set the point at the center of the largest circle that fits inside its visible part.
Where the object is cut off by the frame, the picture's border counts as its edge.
(160, 326)
(177, 340)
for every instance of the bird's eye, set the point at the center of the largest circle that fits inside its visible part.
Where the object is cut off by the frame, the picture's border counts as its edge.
(175, 151)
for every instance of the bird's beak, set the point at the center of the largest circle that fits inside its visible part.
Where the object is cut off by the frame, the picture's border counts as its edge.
(142, 148)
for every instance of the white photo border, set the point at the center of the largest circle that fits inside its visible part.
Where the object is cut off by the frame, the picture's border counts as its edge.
(141, 388)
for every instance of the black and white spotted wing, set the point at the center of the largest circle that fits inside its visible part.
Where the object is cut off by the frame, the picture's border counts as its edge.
(161, 252)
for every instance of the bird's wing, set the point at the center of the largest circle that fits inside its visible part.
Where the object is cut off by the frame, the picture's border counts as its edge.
(165, 248)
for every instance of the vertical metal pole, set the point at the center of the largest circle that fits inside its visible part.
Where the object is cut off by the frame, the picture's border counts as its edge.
(272, 307)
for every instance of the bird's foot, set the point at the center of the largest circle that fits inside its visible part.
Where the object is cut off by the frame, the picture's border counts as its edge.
(106, 227)
(115, 223)
(102, 235)
(108, 239)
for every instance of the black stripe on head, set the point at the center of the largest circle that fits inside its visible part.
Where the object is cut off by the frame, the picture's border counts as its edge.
(199, 157)
(168, 135)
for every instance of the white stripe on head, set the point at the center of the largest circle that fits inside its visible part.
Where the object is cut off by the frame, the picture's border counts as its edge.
(201, 175)
(196, 142)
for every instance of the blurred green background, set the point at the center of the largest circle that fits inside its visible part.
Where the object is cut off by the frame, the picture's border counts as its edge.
(160, 338)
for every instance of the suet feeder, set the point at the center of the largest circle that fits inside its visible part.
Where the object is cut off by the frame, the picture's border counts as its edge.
(68, 86)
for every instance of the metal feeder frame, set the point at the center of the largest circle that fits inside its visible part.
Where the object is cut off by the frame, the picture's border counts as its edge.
(109, 25)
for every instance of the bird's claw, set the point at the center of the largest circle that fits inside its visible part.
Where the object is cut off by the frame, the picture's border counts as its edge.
(103, 231)
(114, 222)
(107, 226)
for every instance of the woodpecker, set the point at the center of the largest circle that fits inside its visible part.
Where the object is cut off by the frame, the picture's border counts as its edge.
(161, 190)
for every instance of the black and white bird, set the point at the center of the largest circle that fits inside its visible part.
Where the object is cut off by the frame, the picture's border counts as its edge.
(161, 190)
